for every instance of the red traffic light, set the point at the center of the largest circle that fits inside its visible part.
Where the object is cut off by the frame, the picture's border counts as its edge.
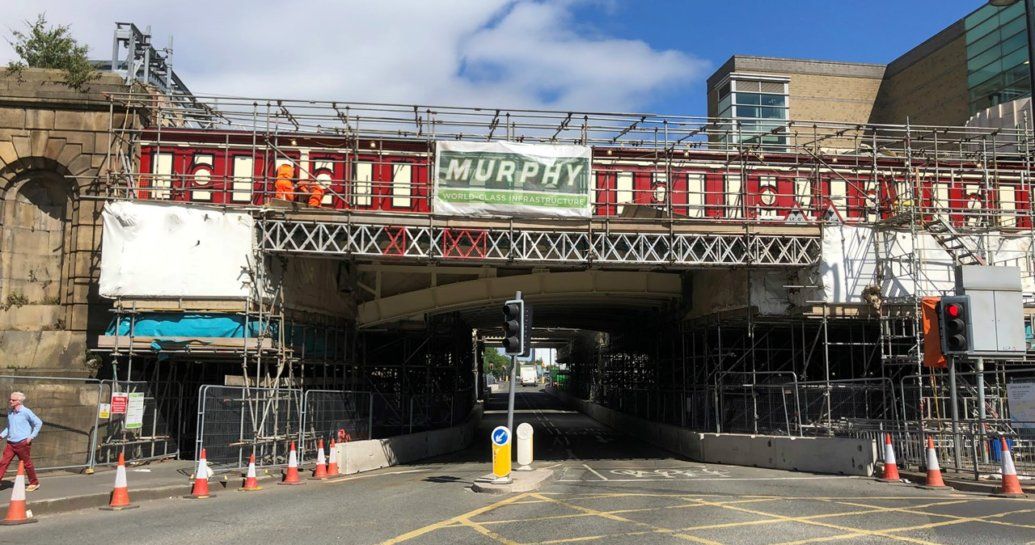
(953, 310)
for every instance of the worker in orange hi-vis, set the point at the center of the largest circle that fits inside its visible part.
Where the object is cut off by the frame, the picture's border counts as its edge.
(285, 188)
(316, 191)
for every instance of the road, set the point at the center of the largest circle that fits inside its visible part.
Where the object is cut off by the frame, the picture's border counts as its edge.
(607, 489)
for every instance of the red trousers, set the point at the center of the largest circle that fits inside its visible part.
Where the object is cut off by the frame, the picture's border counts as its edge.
(22, 450)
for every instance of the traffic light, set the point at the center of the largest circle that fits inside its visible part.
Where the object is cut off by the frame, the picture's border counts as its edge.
(954, 325)
(514, 340)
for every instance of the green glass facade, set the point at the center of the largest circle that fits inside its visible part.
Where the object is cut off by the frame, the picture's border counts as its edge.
(997, 55)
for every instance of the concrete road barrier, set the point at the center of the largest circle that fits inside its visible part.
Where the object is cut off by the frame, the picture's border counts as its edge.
(833, 455)
(360, 456)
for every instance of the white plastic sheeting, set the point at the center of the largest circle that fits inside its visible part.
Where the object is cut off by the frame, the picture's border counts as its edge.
(849, 259)
(158, 250)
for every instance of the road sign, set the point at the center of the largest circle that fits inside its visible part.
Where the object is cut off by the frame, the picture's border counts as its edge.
(501, 436)
(500, 452)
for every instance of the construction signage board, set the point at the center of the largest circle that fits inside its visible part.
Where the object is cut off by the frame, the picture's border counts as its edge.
(512, 179)
(119, 403)
(104, 411)
(1021, 399)
(135, 411)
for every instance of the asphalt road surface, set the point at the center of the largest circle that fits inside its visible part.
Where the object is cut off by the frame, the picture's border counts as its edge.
(607, 489)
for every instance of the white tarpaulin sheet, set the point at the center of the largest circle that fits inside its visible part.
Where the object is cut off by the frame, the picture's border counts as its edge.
(512, 179)
(158, 250)
(848, 263)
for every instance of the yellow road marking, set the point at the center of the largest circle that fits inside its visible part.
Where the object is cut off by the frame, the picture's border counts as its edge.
(806, 520)
(486, 532)
(656, 529)
(613, 512)
(459, 518)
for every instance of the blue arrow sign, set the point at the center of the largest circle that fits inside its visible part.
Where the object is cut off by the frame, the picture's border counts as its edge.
(501, 436)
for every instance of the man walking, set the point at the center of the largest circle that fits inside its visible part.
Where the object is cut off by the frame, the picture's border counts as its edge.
(22, 427)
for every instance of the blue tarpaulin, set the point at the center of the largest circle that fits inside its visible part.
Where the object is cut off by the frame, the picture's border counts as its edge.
(304, 338)
(155, 324)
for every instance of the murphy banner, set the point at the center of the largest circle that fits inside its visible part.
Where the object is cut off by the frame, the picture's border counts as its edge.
(512, 179)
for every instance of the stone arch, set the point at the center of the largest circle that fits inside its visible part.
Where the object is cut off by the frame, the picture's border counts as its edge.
(37, 210)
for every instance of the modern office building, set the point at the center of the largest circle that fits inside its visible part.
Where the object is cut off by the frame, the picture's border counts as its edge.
(978, 62)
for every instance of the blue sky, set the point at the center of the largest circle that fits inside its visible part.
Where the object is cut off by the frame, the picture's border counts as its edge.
(595, 55)
(876, 31)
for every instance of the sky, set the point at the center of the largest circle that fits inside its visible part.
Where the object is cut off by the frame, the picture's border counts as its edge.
(588, 55)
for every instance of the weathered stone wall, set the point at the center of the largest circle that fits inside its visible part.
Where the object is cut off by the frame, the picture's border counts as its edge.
(54, 144)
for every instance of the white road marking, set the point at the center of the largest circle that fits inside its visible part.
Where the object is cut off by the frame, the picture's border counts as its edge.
(595, 472)
(708, 479)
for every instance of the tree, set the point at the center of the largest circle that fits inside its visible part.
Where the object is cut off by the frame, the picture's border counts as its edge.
(495, 364)
(52, 47)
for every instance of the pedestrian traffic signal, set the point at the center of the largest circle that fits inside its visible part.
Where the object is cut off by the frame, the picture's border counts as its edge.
(954, 324)
(514, 340)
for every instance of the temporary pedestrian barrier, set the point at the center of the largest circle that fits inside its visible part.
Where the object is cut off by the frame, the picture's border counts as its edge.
(320, 473)
(890, 473)
(327, 411)
(1011, 486)
(72, 401)
(17, 513)
(235, 422)
(200, 489)
(148, 433)
(251, 482)
(120, 495)
(934, 471)
(291, 475)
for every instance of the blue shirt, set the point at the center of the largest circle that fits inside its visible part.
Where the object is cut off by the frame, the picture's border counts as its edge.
(21, 425)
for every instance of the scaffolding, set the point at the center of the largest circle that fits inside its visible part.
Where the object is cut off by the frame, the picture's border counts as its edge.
(665, 189)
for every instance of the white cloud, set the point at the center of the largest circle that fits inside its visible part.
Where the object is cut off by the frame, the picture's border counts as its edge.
(500, 53)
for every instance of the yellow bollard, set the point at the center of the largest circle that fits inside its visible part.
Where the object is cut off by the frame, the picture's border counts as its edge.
(500, 437)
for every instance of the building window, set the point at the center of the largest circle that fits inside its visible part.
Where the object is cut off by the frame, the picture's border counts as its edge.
(997, 56)
(758, 111)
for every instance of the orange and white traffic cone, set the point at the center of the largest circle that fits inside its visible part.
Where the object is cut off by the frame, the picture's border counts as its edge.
(332, 463)
(890, 474)
(934, 471)
(200, 489)
(320, 473)
(251, 482)
(120, 495)
(16, 511)
(1011, 487)
(291, 475)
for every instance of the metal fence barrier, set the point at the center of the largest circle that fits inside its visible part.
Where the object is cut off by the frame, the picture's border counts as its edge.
(234, 422)
(155, 437)
(328, 412)
(68, 408)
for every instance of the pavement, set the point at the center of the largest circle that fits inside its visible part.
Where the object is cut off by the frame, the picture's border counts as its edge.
(606, 488)
(66, 491)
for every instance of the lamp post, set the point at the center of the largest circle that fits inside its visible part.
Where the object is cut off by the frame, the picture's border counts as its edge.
(1029, 13)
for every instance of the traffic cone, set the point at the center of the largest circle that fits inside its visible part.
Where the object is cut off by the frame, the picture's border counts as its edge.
(332, 464)
(16, 511)
(320, 473)
(1011, 487)
(200, 489)
(251, 483)
(890, 474)
(120, 495)
(291, 475)
(934, 471)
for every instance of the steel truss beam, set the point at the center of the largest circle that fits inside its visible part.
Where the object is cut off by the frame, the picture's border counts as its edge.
(536, 247)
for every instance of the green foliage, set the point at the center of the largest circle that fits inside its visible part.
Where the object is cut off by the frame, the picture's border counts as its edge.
(496, 364)
(41, 46)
